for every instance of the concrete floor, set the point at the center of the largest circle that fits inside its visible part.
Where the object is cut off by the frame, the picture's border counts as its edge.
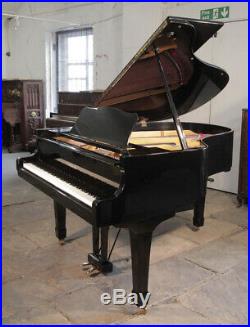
(195, 277)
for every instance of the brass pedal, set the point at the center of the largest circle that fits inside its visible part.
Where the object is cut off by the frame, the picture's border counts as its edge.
(85, 265)
(92, 269)
(101, 265)
(95, 273)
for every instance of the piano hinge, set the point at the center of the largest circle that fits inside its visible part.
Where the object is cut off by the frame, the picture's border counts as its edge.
(143, 122)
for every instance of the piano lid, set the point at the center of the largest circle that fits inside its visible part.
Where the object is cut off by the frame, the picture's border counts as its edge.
(139, 88)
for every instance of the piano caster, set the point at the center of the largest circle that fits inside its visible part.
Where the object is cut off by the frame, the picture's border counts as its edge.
(142, 311)
(195, 228)
(61, 242)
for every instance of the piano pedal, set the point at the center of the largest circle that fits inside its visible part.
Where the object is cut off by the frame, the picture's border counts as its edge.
(91, 270)
(85, 265)
(94, 273)
(99, 263)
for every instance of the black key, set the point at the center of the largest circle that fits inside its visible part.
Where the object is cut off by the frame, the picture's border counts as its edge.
(76, 178)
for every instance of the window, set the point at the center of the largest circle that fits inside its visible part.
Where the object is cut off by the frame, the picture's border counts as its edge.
(75, 60)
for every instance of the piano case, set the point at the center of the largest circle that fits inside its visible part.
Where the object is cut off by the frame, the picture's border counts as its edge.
(123, 164)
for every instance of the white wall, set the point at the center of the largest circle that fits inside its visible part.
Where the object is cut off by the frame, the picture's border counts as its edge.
(119, 31)
(140, 20)
(28, 39)
(4, 49)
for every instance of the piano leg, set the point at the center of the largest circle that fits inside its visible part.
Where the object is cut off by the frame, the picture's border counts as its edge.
(104, 242)
(60, 221)
(140, 242)
(199, 209)
(95, 240)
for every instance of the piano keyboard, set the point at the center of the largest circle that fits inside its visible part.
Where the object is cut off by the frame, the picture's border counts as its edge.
(82, 187)
(90, 173)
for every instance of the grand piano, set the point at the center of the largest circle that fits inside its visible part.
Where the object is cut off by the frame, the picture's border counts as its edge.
(130, 162)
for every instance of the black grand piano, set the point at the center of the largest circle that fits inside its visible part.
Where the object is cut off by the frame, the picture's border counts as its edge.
(123, 163)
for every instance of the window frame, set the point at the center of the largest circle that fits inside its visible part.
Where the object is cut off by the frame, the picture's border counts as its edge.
(87, 63)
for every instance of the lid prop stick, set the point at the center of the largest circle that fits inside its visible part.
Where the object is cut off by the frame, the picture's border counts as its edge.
(172, 106)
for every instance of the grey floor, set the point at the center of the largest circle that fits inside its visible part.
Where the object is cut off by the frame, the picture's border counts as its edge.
(196, 277)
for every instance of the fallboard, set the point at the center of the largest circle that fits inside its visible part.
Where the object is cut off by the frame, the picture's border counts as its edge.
(100, 165)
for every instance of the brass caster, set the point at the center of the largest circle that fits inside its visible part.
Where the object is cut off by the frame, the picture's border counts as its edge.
(142, 311)
(61, 242)
(137, 311)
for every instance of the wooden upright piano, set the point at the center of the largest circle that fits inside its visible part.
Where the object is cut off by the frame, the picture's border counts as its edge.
(69, 106)
(22, 112)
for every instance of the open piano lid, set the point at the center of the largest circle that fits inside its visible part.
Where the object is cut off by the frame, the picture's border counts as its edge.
(139, 88)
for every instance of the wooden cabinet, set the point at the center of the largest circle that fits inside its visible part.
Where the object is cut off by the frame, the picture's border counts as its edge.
(71, 103)
(242, 186)
(22, 111)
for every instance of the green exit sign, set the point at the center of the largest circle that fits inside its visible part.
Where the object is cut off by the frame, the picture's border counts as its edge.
(215, 13)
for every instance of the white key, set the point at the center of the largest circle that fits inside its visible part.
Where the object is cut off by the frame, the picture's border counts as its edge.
(60, 184)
